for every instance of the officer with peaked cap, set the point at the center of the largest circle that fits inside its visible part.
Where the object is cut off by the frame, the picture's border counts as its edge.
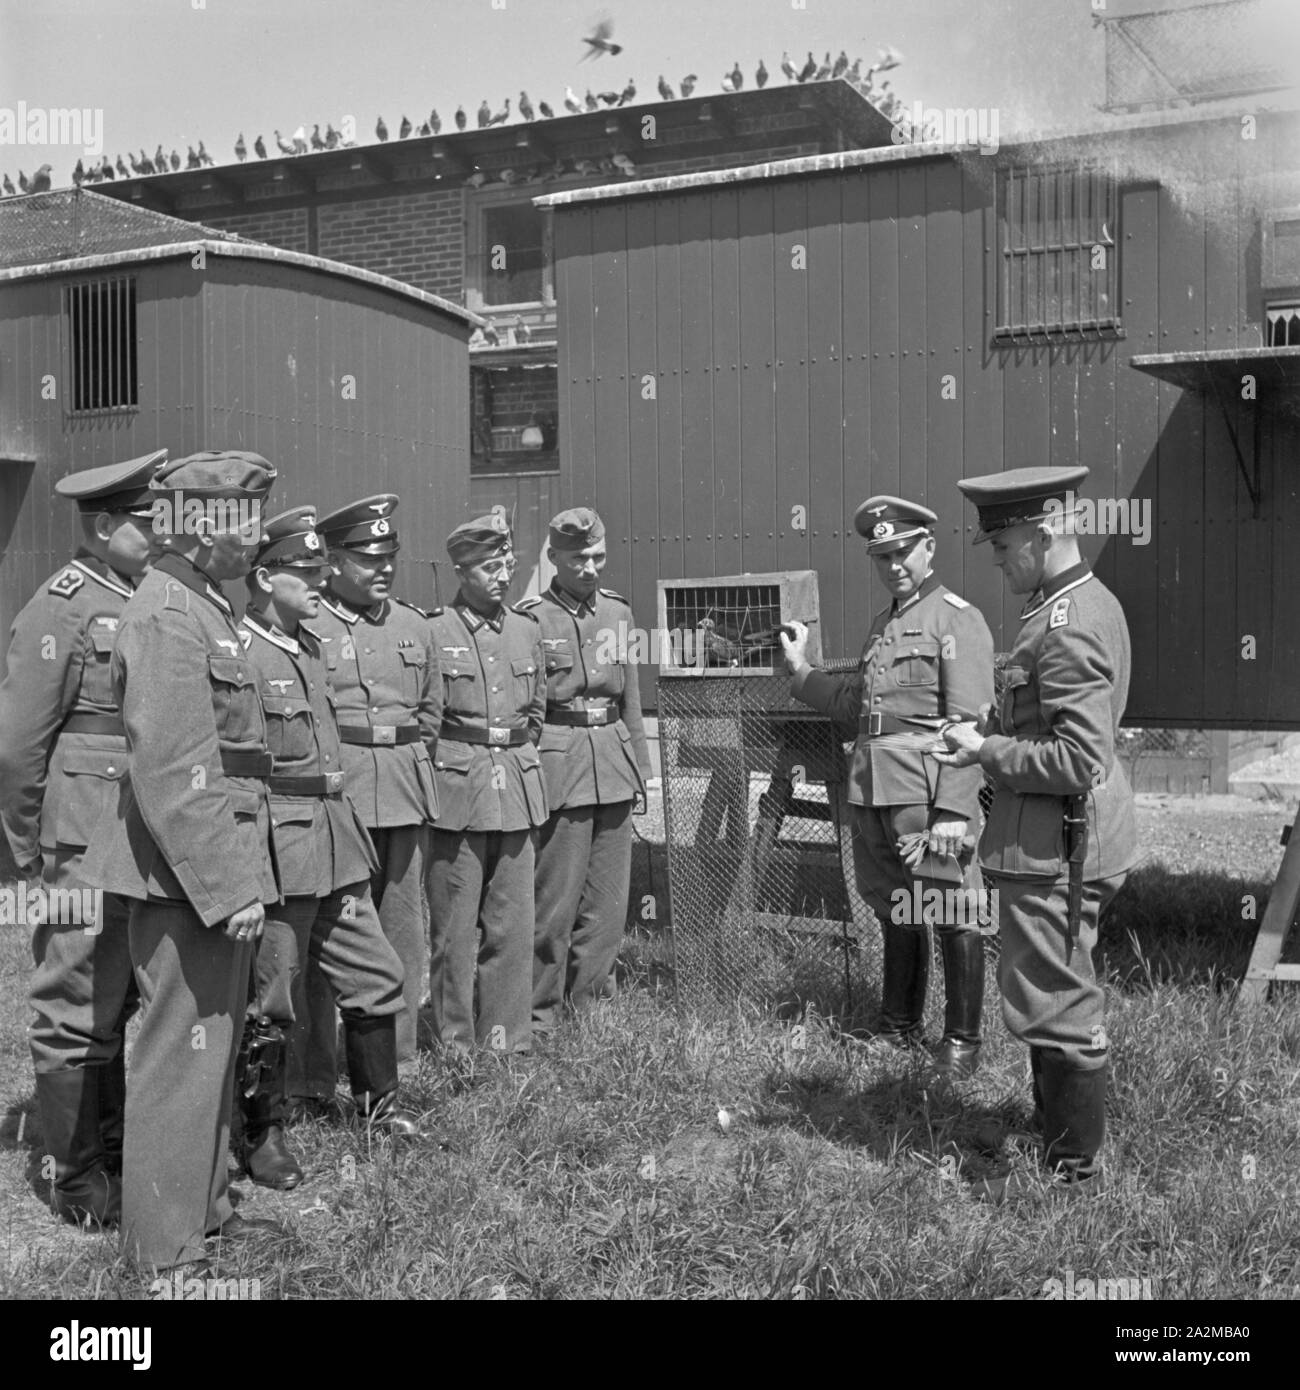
(1060, 836)
(491, 800)
(384, 672)
(189, 845)
(62, 755)
(595, 762)
(928, 660)
(325, 861)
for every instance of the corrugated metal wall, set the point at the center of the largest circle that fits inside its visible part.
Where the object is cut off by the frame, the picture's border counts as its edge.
(730, 354)
(243, 355)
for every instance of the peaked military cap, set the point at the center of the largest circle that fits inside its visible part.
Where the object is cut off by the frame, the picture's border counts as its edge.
(891, 523)
(576, 529)
(291, 539)
(365, 526)
(1018, 495)
(117, 487)
(480, 539)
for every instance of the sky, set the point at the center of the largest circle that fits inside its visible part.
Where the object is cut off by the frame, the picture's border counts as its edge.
(177, 71)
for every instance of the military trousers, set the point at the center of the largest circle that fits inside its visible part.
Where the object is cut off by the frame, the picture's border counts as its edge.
(83, 989)
(481, 908)
(892, 889)
(397, 890)
(584, 868)
(1050, 994)
(193, 990)
(342, 935)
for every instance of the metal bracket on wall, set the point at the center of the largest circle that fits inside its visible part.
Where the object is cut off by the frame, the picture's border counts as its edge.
(1252, 484)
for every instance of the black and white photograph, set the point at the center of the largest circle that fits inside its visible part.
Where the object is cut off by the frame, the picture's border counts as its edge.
(650, 652)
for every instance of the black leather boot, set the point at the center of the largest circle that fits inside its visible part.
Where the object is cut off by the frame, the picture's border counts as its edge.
(112, 1110)
(1074, 1118)
(82, 1187)
(371, 1048)
(266, 1158)
(902, 1001)
(958, 1054)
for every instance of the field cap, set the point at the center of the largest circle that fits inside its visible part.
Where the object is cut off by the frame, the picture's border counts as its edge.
(481, 539)
(576, 529)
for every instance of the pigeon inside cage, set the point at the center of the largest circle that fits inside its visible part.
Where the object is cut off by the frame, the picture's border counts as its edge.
(733, 624)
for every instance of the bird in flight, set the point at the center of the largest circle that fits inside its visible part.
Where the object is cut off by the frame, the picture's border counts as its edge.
(599, 41)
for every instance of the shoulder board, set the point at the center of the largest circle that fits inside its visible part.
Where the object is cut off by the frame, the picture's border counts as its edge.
(1060, 613)
(176, 596)
(609, 593)
(67, 582)
(525, 603)
(955, 599)
(436, 612)
(415, 608)
(525, 612)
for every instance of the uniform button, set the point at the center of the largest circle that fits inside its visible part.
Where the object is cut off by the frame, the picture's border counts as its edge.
(878, 699)
(916, 651)
(496, 689)
(311, 685)
(491, 658)
(374, 709)
(327, 757)
(112, 770)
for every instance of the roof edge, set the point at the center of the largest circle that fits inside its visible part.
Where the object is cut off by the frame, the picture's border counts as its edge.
(242, 250)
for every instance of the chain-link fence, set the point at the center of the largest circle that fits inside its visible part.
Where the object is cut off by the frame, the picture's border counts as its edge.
(1194, 53)
(765, 907)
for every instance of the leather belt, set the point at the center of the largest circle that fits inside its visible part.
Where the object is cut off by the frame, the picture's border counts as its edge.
(493, 738)
(590, 718)
(877, 723)
(94, 724)
(329, 784)
(237, 764)
(379, 735)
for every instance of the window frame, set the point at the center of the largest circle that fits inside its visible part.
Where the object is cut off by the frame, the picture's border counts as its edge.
(119, 334)
(482, 203)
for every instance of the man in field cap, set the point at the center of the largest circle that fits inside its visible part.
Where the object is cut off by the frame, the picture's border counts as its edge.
(325, 859)
(928, 660)
(62, 754)
(1060, 835)
(491, 801)
(594, 761)
(384, 672)
(189, 845)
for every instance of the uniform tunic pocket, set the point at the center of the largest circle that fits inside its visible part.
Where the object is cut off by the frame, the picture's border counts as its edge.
(917, 663)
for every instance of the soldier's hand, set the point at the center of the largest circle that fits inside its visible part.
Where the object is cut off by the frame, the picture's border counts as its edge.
(946, 836)
(246, 924)
(794, 643)
(960, 747)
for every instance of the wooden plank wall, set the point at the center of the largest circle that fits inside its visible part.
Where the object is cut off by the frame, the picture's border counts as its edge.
(800, 332)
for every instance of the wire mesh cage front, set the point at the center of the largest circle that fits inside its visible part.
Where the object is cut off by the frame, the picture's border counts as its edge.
(765, 906)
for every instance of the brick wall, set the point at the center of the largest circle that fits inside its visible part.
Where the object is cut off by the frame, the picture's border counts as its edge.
(284, 227)
(415, 237)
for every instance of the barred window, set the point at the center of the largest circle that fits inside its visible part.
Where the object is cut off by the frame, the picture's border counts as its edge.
(101, 332)
(1283, 325)
(1058, 267)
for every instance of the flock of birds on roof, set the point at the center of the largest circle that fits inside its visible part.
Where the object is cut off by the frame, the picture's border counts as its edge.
(599, 44)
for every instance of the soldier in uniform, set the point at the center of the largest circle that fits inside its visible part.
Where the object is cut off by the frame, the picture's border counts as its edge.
(491, 800)
(594, 761)
(389, 701)
(62, 754)
(928, 660)
(189, 845)
(1060, 836)
(325, 861)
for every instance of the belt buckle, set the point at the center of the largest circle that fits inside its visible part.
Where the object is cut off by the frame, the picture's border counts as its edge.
(496, 736)
(593, 716)
(384, 733)
(873, 724)
(334, 781)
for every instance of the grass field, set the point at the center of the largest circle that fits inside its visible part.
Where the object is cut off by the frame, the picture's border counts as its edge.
(600, 1169)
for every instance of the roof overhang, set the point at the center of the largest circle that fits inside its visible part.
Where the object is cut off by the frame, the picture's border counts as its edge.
(1219, 371)
(240, 250)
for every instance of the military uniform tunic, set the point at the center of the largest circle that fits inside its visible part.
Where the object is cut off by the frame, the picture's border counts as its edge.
(593, 773)
(1052, 735)
(928, 658)
(59, 775)
(323, 851)
(491, 801)
(384, 674)
(190, 845)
